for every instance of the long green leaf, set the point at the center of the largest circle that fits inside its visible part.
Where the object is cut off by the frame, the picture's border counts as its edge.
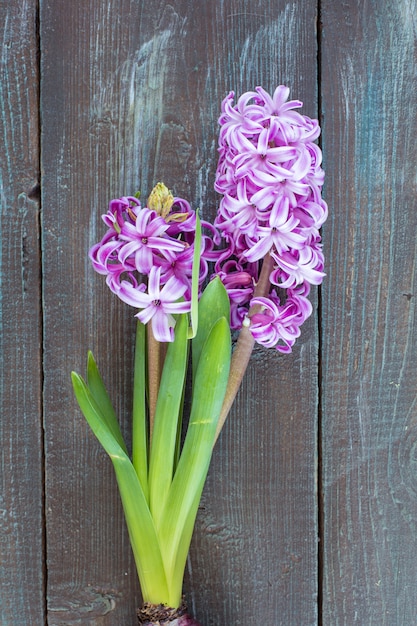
(185, 492)
(102, 427)
(142, 533)
(214, 304)
(143, 537)
(195, 279)
(99, 392)
(167, 418)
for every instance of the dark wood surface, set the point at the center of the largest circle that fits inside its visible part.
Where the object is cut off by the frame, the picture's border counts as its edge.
(369, 343)
(21, 458)
(100, 99)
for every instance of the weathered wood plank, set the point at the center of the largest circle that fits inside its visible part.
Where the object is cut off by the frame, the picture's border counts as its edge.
(131, 95)
(369, 335)
(21, 473)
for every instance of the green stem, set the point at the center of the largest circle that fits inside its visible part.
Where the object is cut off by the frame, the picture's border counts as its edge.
(244, 345)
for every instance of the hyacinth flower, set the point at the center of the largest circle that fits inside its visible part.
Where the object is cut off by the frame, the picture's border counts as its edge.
(192, 283)
(270, 214)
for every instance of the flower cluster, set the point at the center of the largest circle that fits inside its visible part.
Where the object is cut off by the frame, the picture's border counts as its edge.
(147, 257)
(270, 176)
(269, 173)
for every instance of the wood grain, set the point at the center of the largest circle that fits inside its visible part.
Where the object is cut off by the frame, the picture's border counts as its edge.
(21, 473)
(131, 95)
(369, 334)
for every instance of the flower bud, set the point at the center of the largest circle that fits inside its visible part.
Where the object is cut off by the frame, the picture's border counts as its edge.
(160, 200)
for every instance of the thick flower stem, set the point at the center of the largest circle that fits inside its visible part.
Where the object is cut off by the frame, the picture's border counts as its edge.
(240, 360)
(244, 345)
(156, 356)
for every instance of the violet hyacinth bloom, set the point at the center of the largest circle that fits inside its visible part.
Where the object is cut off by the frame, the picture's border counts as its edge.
(145, 242)
(147, 257)
(269, 172)
(158, 303)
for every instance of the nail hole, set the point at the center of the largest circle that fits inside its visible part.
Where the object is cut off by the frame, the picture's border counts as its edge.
(35, 192)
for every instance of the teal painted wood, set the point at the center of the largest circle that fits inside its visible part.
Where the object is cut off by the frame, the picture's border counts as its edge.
(131, 95)
(369, 318)
(21, 465)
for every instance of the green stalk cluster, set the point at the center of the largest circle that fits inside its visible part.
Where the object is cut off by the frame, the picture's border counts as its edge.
(161, 484)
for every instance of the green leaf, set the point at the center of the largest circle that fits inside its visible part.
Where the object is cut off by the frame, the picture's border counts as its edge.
(214, 304)
(195, 279)
(104, 428)
(142, 533)
(98, 391)
(143, 537)
(185, 492)
(167, 418)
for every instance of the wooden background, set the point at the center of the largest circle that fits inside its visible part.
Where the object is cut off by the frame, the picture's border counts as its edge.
(309, 516)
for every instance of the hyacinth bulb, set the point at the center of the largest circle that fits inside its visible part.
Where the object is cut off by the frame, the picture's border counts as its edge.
(184, 620)
(161, 615)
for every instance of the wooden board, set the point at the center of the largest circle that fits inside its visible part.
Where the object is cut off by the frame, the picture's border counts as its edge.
(21, 464)
(131, 94)
(369, 321)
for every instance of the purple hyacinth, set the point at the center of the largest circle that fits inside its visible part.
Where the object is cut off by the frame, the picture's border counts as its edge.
(270, 177)
(147, 257)
(269, 172)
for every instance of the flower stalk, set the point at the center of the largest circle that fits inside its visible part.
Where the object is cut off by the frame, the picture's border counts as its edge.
(244, 346)
(140, 428)
(156, 352)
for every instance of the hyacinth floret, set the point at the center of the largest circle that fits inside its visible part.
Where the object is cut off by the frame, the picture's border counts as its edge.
(270, 177)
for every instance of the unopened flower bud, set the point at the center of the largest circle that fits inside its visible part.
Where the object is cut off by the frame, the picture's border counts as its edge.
(160, 200)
